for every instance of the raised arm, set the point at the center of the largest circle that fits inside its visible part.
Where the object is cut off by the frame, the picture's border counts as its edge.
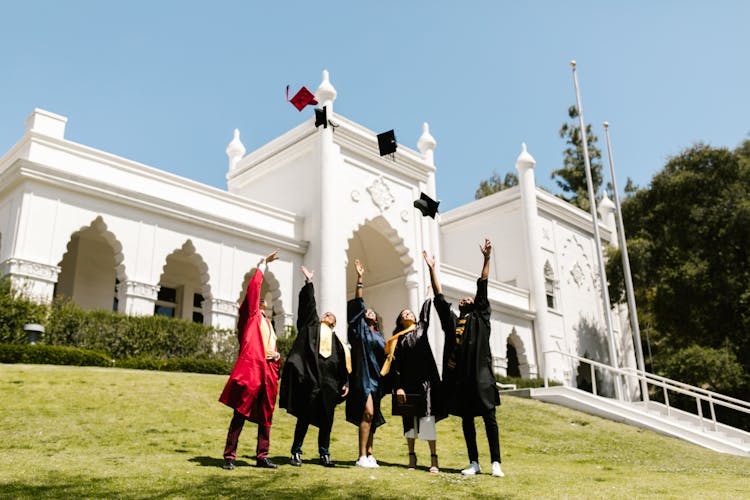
(306, 310)
(486, 252)
(360, 272)
(430, 260)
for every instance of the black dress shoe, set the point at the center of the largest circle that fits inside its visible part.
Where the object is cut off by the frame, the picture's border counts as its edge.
(228, 465)
(296, 460)
(325, 461)
(265, 463)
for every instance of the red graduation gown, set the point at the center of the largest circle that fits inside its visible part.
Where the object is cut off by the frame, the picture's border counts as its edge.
(254, 382)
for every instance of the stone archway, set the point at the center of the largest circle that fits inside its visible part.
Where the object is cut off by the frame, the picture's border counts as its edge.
(387, 268)
(270, 291)
(184, 289)
(91, 268)
(516, 347)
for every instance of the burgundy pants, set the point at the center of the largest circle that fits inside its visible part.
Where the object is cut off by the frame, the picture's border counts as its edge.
(233, 436)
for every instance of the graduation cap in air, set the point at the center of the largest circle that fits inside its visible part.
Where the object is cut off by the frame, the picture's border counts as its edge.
(426, 205)
(387, 143)
(302, 98)
(321, 117)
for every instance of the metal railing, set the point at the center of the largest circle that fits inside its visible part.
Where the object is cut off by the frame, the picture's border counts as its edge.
(701, 395)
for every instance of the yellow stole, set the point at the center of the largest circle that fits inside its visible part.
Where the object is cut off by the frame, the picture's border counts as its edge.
(390, 347)
(268, 335)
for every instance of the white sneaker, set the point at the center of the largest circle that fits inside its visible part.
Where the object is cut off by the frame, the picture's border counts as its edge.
(363, 461)
(473, 468)
(496, 470)
(373, 462)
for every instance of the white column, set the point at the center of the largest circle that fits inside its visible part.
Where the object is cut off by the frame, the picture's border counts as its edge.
(34, 280)
(525, 164)
(331, 276)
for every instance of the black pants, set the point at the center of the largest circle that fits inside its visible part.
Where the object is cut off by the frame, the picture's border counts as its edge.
(324, 435)
(493, 436)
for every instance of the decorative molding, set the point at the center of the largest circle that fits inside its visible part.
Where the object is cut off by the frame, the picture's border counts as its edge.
(381, 194)
(405, 215)
(355, 196)
(223, 306)
(138, 289)
(577, 274)
(30, 269)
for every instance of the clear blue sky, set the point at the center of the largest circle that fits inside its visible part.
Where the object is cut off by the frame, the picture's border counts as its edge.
(165, 82)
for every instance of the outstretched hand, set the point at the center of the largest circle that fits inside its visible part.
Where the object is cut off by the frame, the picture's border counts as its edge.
(272, 256)
(308, 274)
(430, 260)
(486, 248)
(359, 268)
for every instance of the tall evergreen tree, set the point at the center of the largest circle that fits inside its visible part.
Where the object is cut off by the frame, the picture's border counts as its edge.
(571, 178)
(689, 240)
(495, 184)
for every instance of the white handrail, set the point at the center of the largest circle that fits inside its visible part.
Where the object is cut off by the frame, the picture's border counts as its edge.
(666, 384)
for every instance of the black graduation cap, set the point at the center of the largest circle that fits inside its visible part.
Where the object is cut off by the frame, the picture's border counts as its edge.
(387, 143)
(426, 205)
(321, 117)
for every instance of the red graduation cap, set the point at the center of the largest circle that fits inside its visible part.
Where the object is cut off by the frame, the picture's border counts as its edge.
(302, 98)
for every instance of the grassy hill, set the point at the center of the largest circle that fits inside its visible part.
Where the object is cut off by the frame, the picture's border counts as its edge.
(78, 432)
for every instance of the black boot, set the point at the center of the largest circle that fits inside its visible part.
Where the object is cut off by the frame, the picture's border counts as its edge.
(325, 461)
(296, 460)
(228, 465)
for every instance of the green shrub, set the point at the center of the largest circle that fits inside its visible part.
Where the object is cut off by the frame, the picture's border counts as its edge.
(525, 383)
(51, 355)
(190, 365)
(16, 311)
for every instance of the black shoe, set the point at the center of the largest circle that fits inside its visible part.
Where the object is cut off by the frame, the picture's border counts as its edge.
(228, 465)
(265, 463)
(296, 460)
(325, 461)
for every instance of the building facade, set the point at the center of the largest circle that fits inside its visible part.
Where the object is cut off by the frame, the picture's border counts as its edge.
(114, 234)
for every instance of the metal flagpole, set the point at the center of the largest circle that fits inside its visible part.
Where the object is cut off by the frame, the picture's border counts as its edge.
(626, 269)
(597, 240)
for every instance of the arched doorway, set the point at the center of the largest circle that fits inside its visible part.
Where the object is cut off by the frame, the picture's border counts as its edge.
(516, 356)
(90, 268)
(183, 286)
(385, 259)
(270, 291)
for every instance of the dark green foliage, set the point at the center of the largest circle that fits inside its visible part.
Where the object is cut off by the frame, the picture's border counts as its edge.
(571, 178)
(177, 365)
(495, 184)
(126, 336)
(16, 311)
(285, 342)
(51, 355)
(524, 383)
(688, 240)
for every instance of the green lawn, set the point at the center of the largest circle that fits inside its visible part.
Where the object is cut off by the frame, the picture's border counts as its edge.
(72, 432)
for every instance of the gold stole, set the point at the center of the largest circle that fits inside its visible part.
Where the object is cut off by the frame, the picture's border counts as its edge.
(268, 335)
(325, 346)
(390, 347)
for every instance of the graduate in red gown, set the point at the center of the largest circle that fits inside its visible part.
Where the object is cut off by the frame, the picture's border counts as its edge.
(254, 383)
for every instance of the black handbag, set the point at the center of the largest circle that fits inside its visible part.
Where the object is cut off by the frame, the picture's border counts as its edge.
(414, 406)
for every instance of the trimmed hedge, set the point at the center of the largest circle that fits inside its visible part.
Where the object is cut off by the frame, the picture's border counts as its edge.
(177, 365)
(51, 355)
(525, 383)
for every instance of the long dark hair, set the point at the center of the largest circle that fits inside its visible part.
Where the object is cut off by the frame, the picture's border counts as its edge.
(399, 325)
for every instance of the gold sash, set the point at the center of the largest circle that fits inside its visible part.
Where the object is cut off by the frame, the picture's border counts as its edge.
(390, 347)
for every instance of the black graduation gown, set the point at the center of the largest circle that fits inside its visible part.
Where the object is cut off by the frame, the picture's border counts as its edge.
(470, 387)
(414, 369)
(311, 389)
(368, 355)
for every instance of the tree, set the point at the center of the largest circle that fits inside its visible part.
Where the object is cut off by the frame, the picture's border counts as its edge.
(571, 178)
(689, 245)
(495, 184)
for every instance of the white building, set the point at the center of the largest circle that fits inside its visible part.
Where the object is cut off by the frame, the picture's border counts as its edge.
(112, 233)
